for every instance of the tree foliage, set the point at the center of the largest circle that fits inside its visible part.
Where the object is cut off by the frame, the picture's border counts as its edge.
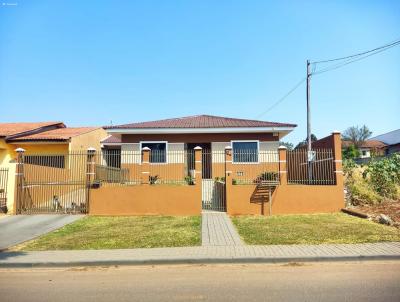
(304, 142)
(289, 146)
(357, 135)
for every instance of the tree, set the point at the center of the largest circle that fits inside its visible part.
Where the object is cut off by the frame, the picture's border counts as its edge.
(351, 152)
(304, 142)
(356, 135)
(289, 146)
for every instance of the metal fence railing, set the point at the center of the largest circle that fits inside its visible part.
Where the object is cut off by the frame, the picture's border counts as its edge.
(252, 167)
(3, 189)
(126, 167)
(315, 168)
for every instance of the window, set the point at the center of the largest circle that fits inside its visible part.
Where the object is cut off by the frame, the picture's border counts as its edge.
(245, 152)
(112, 157)
(54, 161)
(158, 151)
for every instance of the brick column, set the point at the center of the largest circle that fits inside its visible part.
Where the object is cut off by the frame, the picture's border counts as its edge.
(145, 165)
(198, 167)
(19, 181)
(337, 157)
(282, 165)
(228, 175)
(228, 165)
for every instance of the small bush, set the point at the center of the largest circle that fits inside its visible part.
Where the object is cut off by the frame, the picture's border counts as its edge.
(384, 175)
(360, 189)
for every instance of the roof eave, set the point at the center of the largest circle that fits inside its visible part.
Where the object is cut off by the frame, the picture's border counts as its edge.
(281, 129)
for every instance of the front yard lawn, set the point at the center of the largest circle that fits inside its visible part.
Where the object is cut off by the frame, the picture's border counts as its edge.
(120, 232)
(312, 229)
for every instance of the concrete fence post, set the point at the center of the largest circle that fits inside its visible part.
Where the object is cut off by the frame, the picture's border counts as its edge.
(337, 157)
(19, 181)
(145, 175)
(282, 165)
(198, 165)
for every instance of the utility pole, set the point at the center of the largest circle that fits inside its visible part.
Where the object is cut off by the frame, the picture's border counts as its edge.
(308, 108)
(309, 156)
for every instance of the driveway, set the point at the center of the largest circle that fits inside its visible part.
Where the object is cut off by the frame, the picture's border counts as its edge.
(19, 228)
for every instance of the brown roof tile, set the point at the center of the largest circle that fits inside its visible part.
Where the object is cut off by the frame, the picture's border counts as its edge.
(56, 134)
(202, 121)
(111, 140)
(7, 129)
(366, 144)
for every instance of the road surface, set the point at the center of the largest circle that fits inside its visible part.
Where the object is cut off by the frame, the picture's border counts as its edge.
(364, 281)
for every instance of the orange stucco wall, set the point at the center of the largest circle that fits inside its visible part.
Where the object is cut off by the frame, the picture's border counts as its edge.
(287, 199)
(146, 200)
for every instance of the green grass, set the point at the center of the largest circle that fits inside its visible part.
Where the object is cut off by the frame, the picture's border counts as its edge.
(312, 229)
(121, 232)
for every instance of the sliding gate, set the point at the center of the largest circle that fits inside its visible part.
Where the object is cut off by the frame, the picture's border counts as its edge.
(53, 183)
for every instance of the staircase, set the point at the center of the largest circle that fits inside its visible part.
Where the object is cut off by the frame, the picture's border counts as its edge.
(263, 194)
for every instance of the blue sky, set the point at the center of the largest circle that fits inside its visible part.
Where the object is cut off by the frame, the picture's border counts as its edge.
(92, 62)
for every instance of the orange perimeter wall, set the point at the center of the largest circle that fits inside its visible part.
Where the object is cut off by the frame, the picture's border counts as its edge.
(287, 199)
(146, 200)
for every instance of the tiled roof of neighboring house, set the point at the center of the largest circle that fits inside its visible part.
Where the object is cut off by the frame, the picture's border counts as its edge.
(61, 134)
(111, 139)
(390, 138)
(7, 129)
(201, 121)
(373, 144)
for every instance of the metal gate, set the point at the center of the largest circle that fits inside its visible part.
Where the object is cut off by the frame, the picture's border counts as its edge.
(213, 182)
(3, 189)
(54, 183)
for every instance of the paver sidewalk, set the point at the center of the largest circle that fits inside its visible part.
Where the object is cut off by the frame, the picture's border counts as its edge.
(217, 230)
(209, 254)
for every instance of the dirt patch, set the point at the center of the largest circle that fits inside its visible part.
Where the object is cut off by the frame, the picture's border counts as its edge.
(388, 208)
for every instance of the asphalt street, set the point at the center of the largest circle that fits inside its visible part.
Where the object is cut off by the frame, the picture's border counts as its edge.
(356, 281)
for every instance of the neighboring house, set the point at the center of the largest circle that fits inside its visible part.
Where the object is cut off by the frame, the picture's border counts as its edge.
(391, 139)
(368, 148)
(52, 139)
(212, 133)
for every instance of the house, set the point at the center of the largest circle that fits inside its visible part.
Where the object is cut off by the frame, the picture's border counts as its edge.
(48, 141)
(391, 140)
(368, 148)
(178, 137)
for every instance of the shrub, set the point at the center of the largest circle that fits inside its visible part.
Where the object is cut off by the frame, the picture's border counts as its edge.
(359, 187)
(384, 175)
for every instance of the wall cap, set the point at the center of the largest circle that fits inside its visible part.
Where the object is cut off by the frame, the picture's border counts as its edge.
(282, 148)
(20, 150)
(335, 132)
(91, 149)
(146, 149)
(198, 148)
(228, 147)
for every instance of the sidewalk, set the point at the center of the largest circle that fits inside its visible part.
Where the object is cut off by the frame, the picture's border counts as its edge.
(205, 254)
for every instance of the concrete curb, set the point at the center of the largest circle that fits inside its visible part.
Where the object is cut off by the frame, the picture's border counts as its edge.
(198, 260)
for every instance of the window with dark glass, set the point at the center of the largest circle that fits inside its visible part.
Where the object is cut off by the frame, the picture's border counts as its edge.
(158, 152)
(245, 152)
(53, 161)
(112, 157)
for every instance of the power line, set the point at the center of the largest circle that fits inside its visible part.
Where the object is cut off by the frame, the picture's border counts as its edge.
(345, 61)
(336, 66)
(389, 45)
(282, 98)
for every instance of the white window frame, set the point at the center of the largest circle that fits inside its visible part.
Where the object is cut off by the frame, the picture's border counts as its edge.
(156, 142)
(247, 141)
